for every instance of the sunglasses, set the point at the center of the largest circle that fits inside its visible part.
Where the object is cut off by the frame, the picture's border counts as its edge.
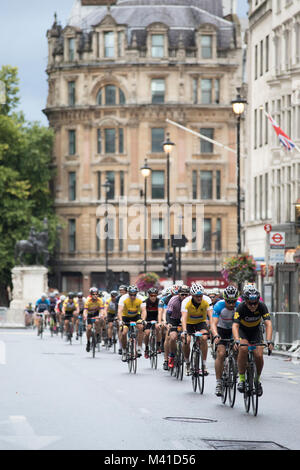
(252, 303)
(230, 301)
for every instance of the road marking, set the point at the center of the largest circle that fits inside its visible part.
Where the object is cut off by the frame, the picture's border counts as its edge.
(24, 436)
(2, 353)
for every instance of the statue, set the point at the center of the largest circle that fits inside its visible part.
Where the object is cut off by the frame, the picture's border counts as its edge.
(37, 245)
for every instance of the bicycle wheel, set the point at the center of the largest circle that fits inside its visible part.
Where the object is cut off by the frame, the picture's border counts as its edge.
(248, 387)
(179, 361)
(129, 355)
(134, 356)
(94, 341)
(201, 375)
(232, 372)
(195, 362)
(153, 352)
(225, 380)
(254, 395)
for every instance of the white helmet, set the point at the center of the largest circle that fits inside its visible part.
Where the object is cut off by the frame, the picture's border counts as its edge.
(197, 289)
(62, 298)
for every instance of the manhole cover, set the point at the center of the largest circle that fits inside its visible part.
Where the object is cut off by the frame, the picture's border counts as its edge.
(190, 420)
(244, 445)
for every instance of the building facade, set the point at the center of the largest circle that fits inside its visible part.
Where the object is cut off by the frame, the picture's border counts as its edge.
(272, 174)
(116, 74)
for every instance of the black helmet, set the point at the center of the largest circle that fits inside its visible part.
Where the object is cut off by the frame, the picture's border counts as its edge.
(251, 293)
(184, 289)
(123, 287)
(114, 293)
(71, 295)
(152, 290)
(230, 293)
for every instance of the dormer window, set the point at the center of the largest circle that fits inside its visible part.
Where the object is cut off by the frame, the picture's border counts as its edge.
(157, 45)
(71, 49)
(110, 95)
(109, 44)
(206, 47)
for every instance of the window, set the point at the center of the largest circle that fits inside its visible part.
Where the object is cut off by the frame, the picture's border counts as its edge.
(267, 53)
(266, 195)
(260, 127)
(217, 90)
(120, 35)
(98, 185)
(218, 184)
(206, 91)
(205, 146)
(157, 231)
(157, 139)
(256, 62)
(195, 90)
(261, 58)
(109, 44)
(110, 95)
(206, 184)
(110, 140)
(110, 176)
(72, 142)
(121, 140)
(158, 184)
(72, 186)
(110, 234)
(194, 231)
(219, 234)
(255, 128)
(71, 93)
(72, 235)
(122, 183)
(99, 141)
(71, 49)
(157, 49)
(207, 235)
(206, 47)
(158, 91)
(194, 182)
(255, 198)
(121, 236)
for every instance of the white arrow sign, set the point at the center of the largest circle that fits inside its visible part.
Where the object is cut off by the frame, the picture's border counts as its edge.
(24, 436)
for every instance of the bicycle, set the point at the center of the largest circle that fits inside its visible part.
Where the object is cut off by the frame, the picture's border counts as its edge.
(53, 325)
(179, 356)
(69, 332)
(197, 363)
(153, 345)
(251, 394)
(229, 374)
(80, 327)
(40, 328)
(94, 335)
(114, 338)
(131, 353)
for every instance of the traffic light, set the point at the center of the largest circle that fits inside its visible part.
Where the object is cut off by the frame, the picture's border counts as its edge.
(168, 264)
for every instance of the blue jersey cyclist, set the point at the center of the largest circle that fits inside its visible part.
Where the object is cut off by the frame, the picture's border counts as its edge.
(42, 305)
(221, 328)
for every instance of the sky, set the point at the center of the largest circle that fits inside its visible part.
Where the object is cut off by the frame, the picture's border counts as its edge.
(23, 44)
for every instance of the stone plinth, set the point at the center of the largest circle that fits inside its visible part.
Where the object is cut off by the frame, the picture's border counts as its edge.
(29, 282)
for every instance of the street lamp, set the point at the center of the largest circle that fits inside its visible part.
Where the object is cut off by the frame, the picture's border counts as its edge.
(146, 172)
(168, 147)
(238, 107)
(107, 186)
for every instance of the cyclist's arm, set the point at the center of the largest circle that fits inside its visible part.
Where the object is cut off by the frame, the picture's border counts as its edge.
(269, 330)
(144, 312)
(213, 325)
(120, 312)
(235, 331)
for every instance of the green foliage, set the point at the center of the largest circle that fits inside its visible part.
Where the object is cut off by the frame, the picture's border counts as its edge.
(239, 269)
(25, 174)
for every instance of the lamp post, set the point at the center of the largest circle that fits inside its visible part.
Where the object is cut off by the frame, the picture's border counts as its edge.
(168, 147)
(146, 172)
(107, 186)
(238, 106)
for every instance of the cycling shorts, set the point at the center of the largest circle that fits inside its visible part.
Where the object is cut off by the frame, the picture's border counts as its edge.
(193, 327)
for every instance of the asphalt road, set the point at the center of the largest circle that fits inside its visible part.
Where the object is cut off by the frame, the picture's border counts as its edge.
(55, 396)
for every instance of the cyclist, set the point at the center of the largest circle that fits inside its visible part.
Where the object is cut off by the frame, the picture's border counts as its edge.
(122, 291)
(163, 319)
(70, 310)
(174, 319)
(53, 301)
(214, 295)
(81, 302)
(29, 311)
(129, 309)
(93, 308)
(150, 309)
(110, 312)
(195, 311)
(246, 329)
(221, 328)
(42, 308)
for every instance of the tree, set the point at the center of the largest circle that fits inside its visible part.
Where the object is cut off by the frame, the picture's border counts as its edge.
(26, 172)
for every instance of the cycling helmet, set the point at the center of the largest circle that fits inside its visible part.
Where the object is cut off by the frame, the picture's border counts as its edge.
(230, 293)
(52, 295)
(175, 289)
(132, 290)
(251, 293)
(152, 290)
(71, 295)
(184, 290)
(123, 287)
(93, 290)
(62, 298)
(44, 296)
(80, 294)
(114, 293)
(197, 289)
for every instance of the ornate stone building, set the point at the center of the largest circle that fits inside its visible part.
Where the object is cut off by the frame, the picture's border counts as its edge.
(116, 74)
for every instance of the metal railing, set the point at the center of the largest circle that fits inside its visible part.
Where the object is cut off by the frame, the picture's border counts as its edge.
(286, 329)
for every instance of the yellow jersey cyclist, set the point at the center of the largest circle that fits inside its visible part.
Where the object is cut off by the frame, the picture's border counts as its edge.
(70, 310)
(93, 307)
(246, 329)
(130, 309)
(195, 311)
(110, 313)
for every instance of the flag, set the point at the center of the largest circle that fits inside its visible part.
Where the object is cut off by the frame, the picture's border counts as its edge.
(283, 138)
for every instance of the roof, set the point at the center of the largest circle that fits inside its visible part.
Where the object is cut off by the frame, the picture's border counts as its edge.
(182, 17)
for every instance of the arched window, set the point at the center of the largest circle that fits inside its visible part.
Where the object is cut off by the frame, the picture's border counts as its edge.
(110, 95)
